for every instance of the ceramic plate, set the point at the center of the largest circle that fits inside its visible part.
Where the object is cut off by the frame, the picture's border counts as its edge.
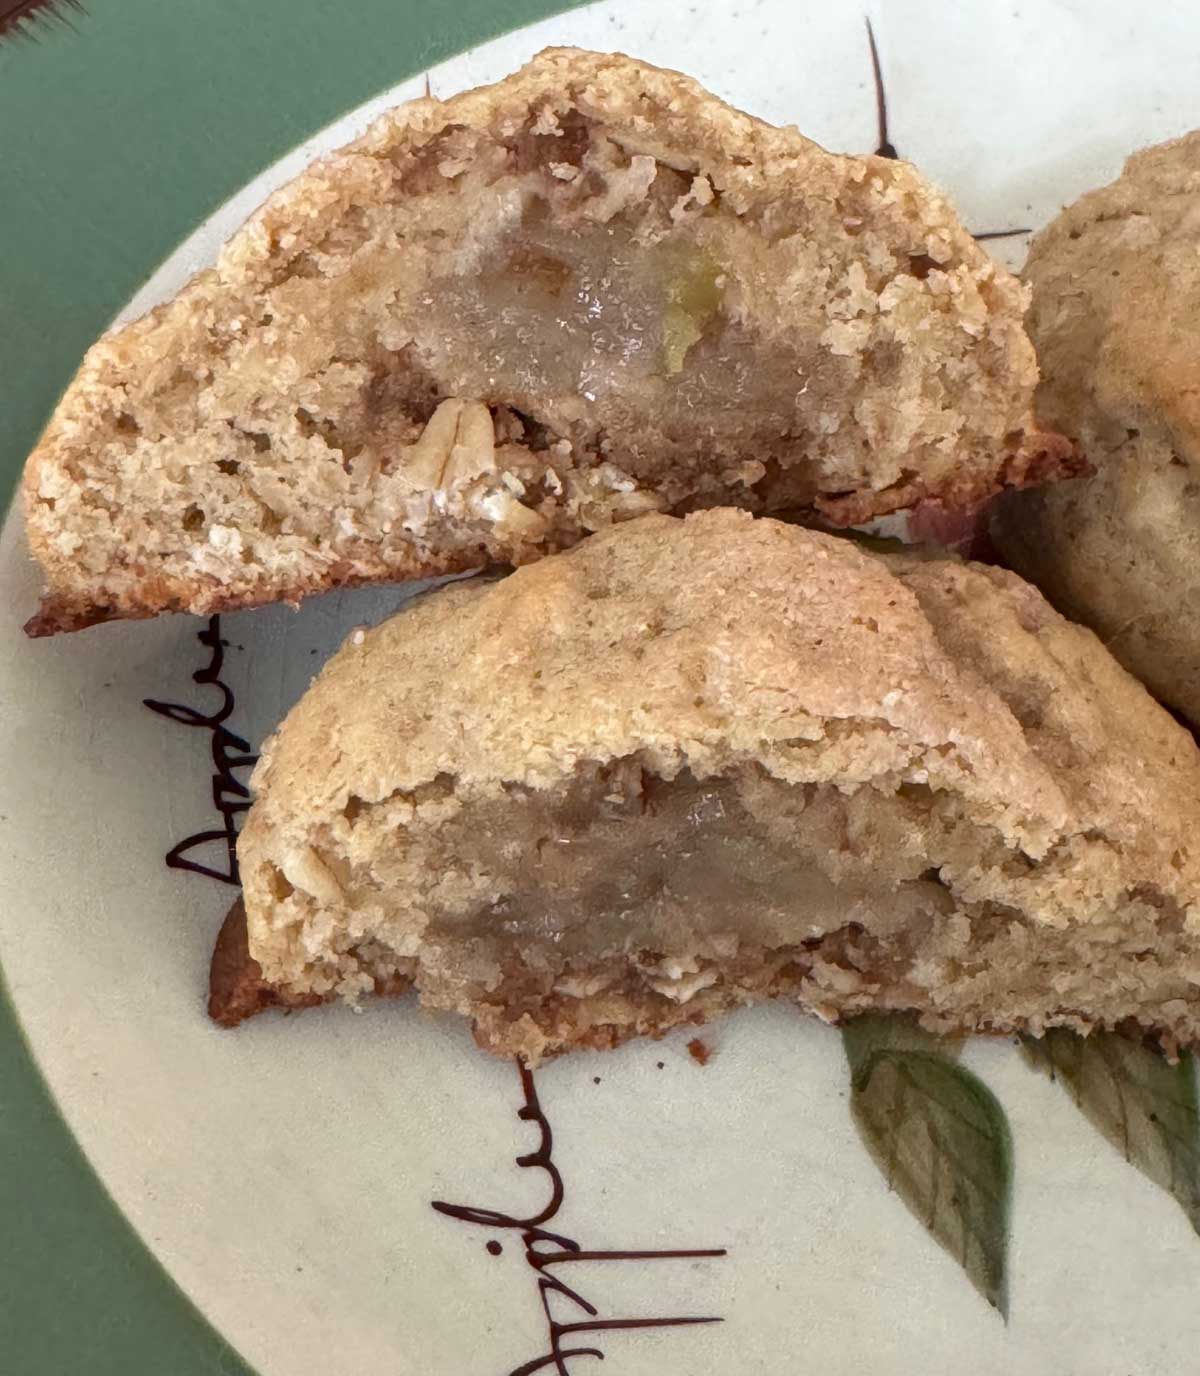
(285, 1175)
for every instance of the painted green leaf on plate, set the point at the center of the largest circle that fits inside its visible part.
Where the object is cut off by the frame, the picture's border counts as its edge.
(941, 1140)
(1146, 1107)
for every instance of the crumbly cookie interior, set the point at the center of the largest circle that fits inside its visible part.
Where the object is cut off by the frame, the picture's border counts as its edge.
(621, 902)
(482, 341)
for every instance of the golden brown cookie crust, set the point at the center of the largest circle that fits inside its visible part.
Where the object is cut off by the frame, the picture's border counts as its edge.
(236, 988)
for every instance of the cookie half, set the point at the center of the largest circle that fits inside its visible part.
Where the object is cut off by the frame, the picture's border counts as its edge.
(697, 763)
(496, 323)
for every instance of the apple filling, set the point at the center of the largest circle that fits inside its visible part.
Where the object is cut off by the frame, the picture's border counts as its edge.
(623, 901)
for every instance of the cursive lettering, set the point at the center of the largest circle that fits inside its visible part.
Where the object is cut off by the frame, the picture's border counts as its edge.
(230, 796)
(545, 1249)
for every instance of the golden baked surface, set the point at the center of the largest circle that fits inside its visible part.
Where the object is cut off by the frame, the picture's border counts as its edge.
(695, 763)
(1116, 321)
(496, 323)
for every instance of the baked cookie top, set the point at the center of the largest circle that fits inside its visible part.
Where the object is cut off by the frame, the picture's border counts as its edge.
(1115, 312)
(1116, 320)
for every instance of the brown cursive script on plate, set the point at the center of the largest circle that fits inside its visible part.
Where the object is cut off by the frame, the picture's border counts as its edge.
(230, 796)
(545, 1249)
